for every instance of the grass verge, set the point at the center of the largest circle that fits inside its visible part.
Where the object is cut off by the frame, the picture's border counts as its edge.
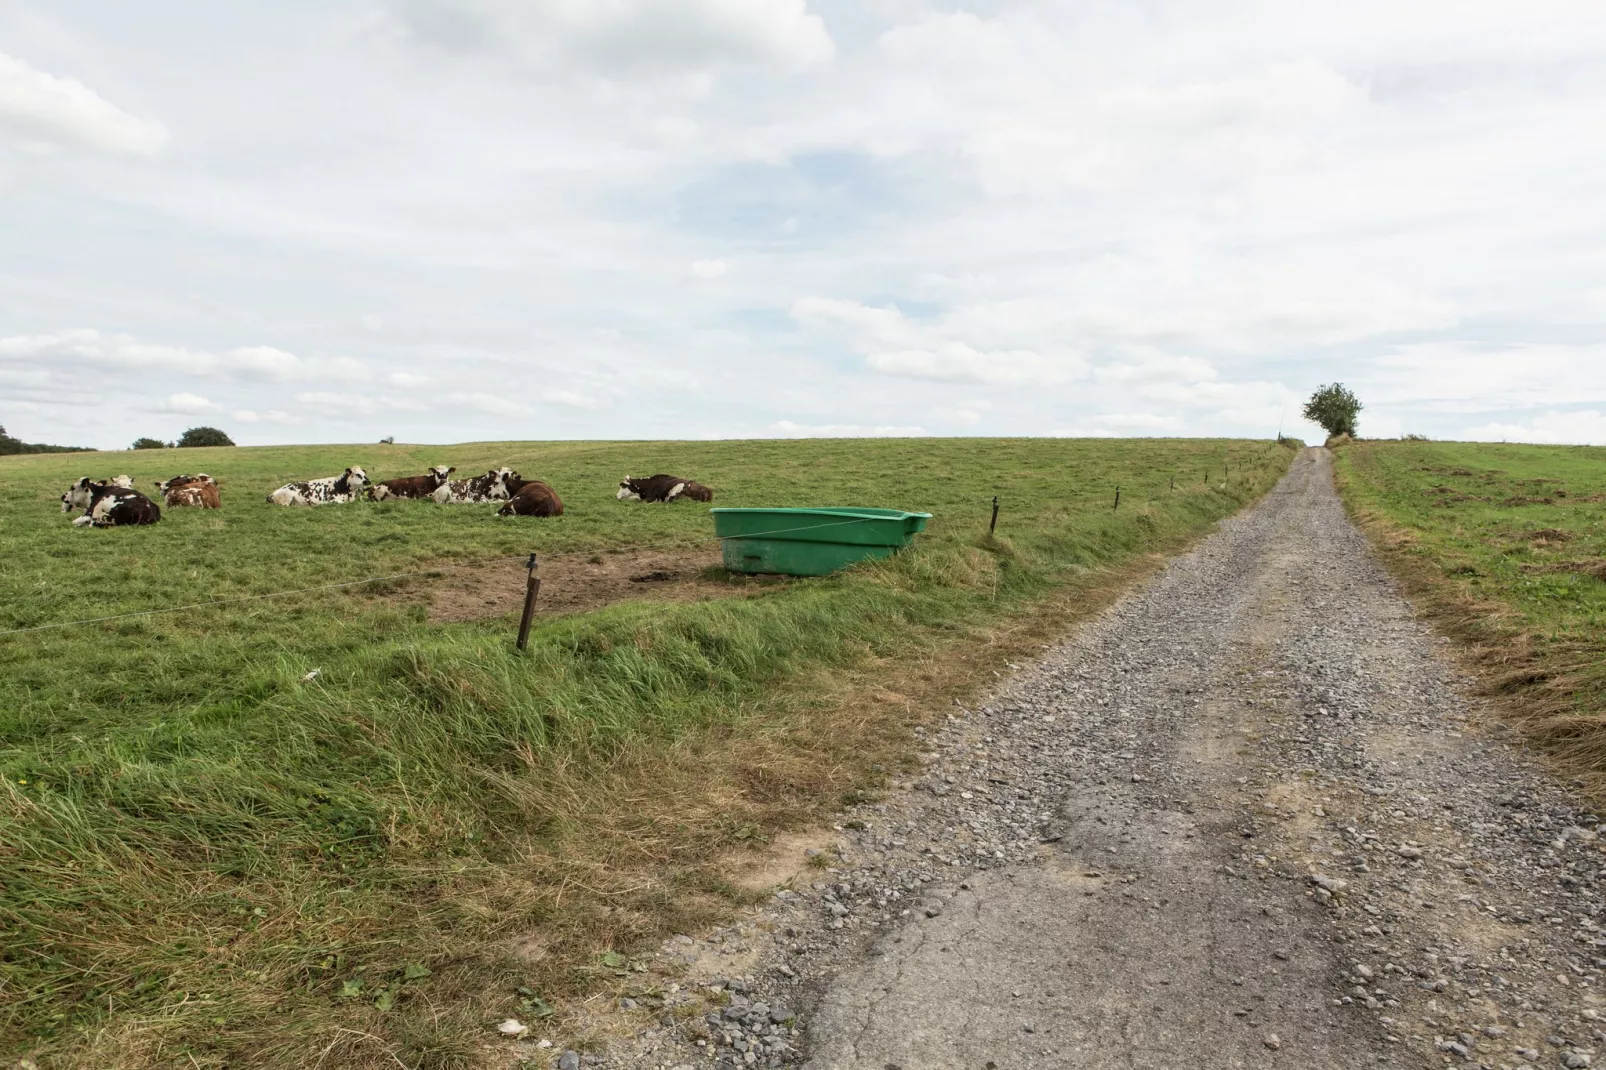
(208, 859)
(1504, 548)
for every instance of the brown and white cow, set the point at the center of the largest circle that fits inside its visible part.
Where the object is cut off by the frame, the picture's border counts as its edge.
(331, 490)
(126, 482)
(108, 506)
(662, 488)
(533, 498)
(491, 487)
(197, 492)
(423, 486)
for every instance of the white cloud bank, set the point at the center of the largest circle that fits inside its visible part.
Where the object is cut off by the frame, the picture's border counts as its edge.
(1587, 427)
(41, 109)
(672, 218)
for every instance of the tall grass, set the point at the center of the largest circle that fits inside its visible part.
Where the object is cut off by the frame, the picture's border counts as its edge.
(207, 857)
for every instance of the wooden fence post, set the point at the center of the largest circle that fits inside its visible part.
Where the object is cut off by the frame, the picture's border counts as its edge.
(531, 589)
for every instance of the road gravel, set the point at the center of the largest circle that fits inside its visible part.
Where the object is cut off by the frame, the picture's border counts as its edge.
(1250, 817)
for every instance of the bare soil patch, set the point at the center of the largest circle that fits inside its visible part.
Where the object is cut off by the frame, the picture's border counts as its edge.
(573, 583)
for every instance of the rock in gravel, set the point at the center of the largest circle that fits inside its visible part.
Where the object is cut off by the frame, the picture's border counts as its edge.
(1272, 1041)
(569, 1060)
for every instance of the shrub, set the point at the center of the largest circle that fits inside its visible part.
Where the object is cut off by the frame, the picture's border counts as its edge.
(204, 436)
(149, 444)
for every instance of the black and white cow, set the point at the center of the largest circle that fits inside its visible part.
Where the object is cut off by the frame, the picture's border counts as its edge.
(331, 490)
(662, 488)
(423, 486)
(108, 506)
(491, 487)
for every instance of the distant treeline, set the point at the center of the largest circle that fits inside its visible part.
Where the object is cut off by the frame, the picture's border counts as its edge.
(12, 445)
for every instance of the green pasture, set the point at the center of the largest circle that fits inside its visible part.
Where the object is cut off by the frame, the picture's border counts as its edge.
(207, 860)
(1519, 525)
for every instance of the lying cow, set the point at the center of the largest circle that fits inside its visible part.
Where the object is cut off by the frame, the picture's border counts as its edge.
(126, 482)
(108, 506)
(491, 487)
(423, 486)
(331, 490)
(533, 498)
(198, 492)
(662, 488)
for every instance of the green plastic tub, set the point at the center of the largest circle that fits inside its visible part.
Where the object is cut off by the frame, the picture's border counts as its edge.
(811, 542)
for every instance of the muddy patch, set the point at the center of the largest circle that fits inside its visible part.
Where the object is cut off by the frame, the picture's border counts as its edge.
(575, 583)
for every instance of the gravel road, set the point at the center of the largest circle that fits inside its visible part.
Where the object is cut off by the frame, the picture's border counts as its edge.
(1250, 817)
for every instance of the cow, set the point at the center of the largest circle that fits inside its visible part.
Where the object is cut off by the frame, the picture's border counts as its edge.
(108, 506)
(198, 491)
(423, 486)
(533, 498)
(331, 490)
(125, 482)
(491, 487)
(662, 488)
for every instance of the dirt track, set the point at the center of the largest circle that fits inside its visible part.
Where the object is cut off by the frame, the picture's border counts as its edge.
(1249, 818)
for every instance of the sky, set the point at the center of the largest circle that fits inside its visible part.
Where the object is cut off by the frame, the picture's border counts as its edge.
(452, 220)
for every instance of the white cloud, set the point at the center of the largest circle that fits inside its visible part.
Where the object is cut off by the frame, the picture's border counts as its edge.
(708, 269)
(40, 108)
(1587, 427)
(631, 37)
(1155, 367)
(190, 404)
(274, 416)
(894, 344)
(493, 404)
(266, 362)
(1136, 421)
(788, 429)
(1464, 377)
(84, 348)
(68, 351)
(329, 403)
(406, 379)
(571, 399)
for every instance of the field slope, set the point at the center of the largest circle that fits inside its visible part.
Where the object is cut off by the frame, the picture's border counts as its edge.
(210, 857)
(1505, 546)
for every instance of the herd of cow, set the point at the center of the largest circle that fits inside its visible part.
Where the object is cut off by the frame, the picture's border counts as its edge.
(115, 502)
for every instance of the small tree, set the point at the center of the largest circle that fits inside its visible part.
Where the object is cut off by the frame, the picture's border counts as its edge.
(149, 444)
(1334, 408)
(204, 436)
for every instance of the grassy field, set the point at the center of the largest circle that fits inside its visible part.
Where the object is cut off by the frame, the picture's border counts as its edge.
(207, 860)
(1506, 546)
